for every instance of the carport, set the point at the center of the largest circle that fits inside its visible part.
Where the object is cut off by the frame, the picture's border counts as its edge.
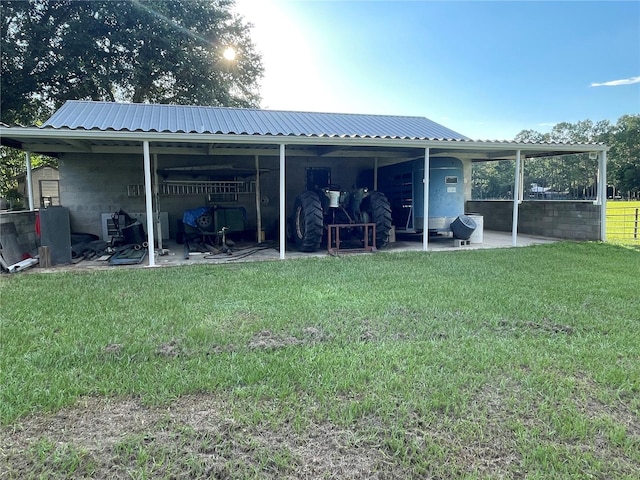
(100, 129)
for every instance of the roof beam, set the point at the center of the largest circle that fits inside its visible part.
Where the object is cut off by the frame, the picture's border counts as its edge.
(324, 151)
(82, 145)
(52, 147)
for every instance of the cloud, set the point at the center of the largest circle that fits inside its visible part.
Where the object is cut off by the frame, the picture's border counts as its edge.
(615, 83)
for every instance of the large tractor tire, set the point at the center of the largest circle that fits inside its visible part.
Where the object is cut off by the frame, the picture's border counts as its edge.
(308, 226)
(376, 207)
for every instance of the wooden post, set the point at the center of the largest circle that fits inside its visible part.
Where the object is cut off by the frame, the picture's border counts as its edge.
(44, 253)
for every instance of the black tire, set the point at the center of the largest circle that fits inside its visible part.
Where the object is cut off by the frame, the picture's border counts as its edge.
(378, 210)
(308, 226)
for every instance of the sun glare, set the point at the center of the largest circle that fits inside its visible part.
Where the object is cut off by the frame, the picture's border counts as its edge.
(229, 53)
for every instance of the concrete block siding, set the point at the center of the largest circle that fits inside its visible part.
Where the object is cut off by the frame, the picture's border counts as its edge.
(25, 223)
(89, 188)
(558, 219)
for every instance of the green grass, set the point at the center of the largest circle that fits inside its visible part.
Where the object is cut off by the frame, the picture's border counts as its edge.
(468, 364)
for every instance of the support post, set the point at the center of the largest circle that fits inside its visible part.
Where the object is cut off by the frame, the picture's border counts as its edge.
(258, 204)
(29, 181)
(521, 179)
(516, 201)
(425, 203)
(602, 194)
(148, 199)
(283, 213)
(156, 197)
(375, 174)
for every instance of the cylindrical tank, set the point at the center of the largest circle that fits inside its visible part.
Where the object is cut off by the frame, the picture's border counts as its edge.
(463, 227)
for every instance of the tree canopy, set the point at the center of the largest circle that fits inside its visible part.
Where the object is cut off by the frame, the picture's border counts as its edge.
(159, 51)
(570, 176)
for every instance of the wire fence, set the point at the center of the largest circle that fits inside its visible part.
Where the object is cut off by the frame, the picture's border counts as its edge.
(623, 222)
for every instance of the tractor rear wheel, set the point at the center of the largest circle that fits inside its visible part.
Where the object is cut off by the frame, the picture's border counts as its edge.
(378, 210)
(308, 226)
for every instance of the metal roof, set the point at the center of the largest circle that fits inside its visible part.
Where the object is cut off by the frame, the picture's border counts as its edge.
(138, 117)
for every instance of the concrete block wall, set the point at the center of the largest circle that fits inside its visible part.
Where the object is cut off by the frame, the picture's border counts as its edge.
(25, 223)
(94, 184)
(557, 219)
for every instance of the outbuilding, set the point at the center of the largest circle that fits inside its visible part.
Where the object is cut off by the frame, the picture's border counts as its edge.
(158, 161)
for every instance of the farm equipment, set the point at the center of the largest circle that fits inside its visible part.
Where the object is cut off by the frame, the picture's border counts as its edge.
(205, 228)
(361, 216)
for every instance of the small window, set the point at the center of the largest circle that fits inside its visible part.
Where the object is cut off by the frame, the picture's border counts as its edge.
(451, 180)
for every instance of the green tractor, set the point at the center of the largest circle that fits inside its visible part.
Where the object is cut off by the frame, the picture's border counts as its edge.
(315, 210)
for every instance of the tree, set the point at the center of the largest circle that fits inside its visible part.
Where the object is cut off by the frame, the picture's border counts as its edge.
(160, 51)
(624, 156)
(572, 176)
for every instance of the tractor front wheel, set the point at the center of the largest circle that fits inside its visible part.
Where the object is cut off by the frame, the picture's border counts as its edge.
(308, 225)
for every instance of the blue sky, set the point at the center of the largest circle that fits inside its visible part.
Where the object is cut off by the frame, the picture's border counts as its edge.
(485, 69)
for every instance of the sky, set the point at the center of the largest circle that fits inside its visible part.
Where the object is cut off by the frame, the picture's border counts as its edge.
(487, 70)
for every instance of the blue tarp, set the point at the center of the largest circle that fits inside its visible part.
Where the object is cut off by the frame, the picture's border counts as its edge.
(189, 217)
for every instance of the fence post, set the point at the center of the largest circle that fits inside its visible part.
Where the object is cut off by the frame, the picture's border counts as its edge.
(635, 226)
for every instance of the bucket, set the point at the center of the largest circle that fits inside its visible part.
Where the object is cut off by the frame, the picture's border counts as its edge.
(478, 234)
(462, 227)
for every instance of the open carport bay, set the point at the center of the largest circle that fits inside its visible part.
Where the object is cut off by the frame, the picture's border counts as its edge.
(243, 251)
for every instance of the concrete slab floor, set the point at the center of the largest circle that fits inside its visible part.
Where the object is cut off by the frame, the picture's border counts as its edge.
(247, 252)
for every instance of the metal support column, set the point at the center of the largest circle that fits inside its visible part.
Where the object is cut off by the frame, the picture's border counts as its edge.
(258, 203)
(375, 174)
(516, 201)
(156, 198)
(283, 213)
(602, 194)
(29, 180)
(521, 179)
(425, 206)
(148, 199)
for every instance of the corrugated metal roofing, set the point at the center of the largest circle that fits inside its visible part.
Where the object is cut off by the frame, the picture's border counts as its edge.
(133, 117)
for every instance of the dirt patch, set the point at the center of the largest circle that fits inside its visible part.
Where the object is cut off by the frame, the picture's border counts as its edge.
(169, 349)
(314, 334)
(113, 348)
(368, 332)
(197, 436)
(544, 325)
(547, 325)
(267, 340)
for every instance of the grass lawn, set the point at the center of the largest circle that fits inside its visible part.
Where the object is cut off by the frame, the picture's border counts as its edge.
(510, 363)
